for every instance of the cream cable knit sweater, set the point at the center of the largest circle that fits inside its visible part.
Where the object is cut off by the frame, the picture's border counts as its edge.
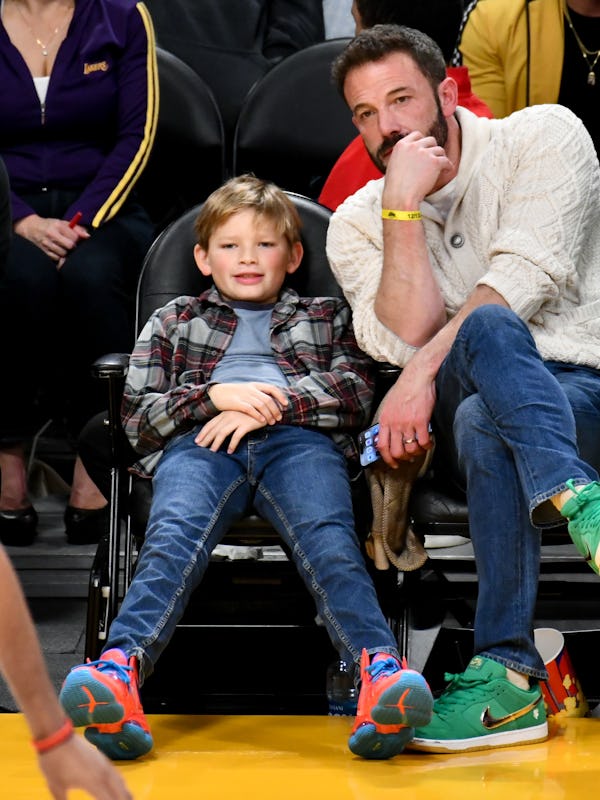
(525, 221)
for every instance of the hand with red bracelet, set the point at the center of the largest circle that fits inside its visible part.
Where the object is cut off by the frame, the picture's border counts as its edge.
(76, 764)
(66, 760)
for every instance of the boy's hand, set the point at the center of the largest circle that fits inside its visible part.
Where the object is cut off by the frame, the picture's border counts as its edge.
(262, 401)
(228, 423)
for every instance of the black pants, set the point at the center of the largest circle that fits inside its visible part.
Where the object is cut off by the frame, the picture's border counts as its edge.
(57, 322)
(99, 454)
(5, 219)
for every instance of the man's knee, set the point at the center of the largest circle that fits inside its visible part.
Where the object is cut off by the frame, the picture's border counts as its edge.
(491, 315)
(494, 326)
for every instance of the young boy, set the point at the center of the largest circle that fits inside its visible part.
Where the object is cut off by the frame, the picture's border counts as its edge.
(245, 397)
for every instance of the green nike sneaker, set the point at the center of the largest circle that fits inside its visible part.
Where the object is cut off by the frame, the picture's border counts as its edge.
(481, 709)
(583, 513)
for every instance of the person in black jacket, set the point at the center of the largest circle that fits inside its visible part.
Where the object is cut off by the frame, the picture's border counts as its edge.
(78, 112)
(232, 43)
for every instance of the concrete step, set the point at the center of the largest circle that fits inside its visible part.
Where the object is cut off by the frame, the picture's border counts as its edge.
(51, 567)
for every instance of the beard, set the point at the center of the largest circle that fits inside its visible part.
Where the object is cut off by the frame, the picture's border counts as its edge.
(438, 129)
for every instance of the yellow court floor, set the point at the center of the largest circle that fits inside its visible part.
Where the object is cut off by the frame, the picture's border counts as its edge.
(293, 757)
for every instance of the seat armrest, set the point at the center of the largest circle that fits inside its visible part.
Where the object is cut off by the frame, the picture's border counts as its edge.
(432, 504)
(386, 376)
(111, 365)
(112, 368)
(388, 370)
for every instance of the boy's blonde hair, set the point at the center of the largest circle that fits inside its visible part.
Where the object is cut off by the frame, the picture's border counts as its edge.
(248, 192)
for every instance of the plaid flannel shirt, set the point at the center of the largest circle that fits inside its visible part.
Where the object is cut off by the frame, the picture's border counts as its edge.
(166, 391)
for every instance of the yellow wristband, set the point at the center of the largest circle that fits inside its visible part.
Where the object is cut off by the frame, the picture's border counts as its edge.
(393, 213)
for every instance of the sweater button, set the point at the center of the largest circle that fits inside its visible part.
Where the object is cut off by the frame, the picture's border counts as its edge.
(457, 240)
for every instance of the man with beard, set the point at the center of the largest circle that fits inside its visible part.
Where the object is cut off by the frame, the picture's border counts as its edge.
(440, 19)
(472, 265)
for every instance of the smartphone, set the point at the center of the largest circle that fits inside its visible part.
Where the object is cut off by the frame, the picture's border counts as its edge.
(367, 445)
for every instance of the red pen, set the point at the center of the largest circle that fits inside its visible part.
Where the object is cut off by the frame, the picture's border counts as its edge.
(75, 219)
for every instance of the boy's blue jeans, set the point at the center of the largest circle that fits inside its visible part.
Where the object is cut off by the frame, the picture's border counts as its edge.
(512, 424)
(298, 480)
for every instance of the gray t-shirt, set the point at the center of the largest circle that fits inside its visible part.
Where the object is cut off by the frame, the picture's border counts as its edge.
(250, 357)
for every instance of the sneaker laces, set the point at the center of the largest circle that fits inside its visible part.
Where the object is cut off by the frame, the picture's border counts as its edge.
(384, 667)
(451, 696)
(585, 497)
(122, 672)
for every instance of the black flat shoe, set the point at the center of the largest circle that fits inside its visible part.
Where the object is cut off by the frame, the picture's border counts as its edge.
(86, 525)
(18, 528)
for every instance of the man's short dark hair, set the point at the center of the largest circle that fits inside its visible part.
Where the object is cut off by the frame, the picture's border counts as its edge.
(375, 43)
(439, 19)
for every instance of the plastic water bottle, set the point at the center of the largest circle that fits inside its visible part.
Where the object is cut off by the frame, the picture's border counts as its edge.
(341, 692)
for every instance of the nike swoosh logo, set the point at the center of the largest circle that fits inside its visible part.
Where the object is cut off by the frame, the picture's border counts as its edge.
(490, 722)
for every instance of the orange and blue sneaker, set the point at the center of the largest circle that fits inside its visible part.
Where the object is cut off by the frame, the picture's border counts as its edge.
(103, 697)
(393, 701)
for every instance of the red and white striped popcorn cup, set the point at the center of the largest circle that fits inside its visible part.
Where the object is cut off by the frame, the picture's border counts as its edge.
(562, 691)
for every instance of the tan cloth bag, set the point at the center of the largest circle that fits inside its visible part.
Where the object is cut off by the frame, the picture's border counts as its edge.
(392, 540)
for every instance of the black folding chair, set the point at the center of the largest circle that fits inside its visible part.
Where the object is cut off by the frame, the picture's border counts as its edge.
(187, 161)
(294, 124)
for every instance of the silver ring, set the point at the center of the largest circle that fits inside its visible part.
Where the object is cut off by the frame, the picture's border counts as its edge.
(408, 441)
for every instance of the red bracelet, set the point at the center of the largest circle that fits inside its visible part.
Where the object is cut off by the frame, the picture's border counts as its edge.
(63, 734)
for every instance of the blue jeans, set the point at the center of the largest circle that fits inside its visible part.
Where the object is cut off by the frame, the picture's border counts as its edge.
(511, 424)
(295, 478)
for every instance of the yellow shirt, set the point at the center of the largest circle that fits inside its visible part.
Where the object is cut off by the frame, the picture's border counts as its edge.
(508, 44)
